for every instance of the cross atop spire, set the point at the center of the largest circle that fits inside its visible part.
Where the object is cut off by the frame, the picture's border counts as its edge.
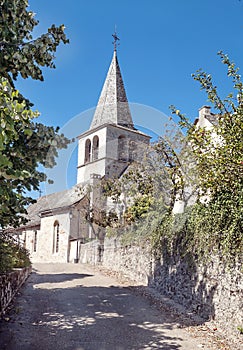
(113, 107)
(115, 37)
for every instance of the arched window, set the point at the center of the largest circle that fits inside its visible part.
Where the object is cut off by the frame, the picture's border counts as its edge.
(122, 148)
(95, 150)
(87, 151)
(55, 247)
(35, 241)
(132, 150)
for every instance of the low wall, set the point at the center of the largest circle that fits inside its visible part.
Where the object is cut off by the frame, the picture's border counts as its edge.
(134, 262)
(91, 253)
(10, 284)
(206, 290)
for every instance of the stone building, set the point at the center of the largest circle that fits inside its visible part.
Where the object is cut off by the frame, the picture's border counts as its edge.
(60, 222)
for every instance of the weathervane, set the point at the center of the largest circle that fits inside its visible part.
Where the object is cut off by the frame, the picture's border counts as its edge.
(115, 40)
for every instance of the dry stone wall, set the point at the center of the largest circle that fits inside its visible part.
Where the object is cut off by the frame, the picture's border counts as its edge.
(134, 262)
(208, 290)
(10, 284)
(91, 253)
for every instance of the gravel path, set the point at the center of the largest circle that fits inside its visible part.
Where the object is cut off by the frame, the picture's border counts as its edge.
(71, 306)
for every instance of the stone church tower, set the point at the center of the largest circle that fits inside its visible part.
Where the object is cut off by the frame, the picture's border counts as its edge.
(112, 141)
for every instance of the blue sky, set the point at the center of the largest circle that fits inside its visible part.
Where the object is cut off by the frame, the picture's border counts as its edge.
(162, 43)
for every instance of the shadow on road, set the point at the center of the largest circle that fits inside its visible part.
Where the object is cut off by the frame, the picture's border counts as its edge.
(59, 278)
(85, 317)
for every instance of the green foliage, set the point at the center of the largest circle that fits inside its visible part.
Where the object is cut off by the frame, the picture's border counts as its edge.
(240, 329)
(12, 254)
(143, 185)
(138, 209)
(101, 218)
(218, 227)
(219, 152)
(24, 143)
(216, 220)
(168, 167)
(195, 233)
(147, 227)
(20, 53)
(132, 193)
(135, 180)
(211, 165)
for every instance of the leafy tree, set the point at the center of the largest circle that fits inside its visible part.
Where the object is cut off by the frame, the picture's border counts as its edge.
(210, 164)
(24, 143)
(218, 154)
(157, 179)
(20, 53)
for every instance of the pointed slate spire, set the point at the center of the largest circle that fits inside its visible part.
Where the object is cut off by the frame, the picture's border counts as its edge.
(113, 106)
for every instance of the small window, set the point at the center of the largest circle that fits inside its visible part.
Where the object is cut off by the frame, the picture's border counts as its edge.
(57, 242)
(35, 242)
(87, 151)
(95, 148)
(55, 247)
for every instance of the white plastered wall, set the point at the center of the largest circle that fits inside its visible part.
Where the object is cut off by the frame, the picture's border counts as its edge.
(44, 251)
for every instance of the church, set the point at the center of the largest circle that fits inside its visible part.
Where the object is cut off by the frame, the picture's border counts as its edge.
(60, 223)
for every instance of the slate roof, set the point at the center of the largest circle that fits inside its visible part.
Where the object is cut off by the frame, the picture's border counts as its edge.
(112, 107)
(54, 201)
(212, 118)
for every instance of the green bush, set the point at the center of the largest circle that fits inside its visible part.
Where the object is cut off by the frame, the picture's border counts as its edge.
(203, 231)
(12, 254)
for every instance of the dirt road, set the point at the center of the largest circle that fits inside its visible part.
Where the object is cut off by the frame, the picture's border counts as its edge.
(71, 306)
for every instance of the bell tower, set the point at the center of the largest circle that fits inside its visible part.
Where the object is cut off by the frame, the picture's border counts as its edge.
(112, 142)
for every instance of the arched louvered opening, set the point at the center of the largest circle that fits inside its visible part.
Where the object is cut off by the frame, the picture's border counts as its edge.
(87, 155)
(122, 148)
(95, 150)
(132, 150)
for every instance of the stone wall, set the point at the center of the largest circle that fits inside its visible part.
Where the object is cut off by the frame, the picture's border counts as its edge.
(91, 253)
(207, 290)
(134, 262)
(10, 284)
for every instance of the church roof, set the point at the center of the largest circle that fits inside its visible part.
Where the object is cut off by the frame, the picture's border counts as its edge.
(134, 130)
(51, 203)
(112, 107)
